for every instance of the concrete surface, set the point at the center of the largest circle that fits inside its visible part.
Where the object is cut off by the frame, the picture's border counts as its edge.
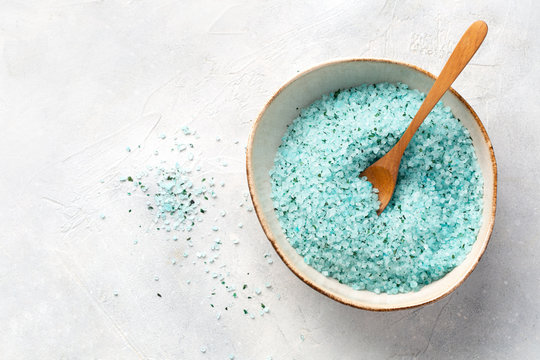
(81, 80)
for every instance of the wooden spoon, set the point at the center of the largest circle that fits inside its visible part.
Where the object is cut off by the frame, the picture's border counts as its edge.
(383, 173)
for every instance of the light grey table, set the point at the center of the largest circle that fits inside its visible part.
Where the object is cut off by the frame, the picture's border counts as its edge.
(81, 80)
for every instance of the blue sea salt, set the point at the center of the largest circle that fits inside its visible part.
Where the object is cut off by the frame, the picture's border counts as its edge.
(329, 214)
(181, 147)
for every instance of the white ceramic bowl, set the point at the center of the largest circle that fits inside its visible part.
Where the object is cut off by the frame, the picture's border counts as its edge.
(282, 109)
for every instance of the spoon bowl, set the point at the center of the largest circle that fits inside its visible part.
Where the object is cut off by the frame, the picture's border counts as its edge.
(381, 177)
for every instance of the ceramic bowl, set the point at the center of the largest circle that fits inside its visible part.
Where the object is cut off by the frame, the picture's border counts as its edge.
(284, 107)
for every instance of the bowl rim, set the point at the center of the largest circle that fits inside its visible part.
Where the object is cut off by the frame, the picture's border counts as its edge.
(266, 227)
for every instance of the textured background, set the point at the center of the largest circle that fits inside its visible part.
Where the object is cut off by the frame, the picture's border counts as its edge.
(81, 80)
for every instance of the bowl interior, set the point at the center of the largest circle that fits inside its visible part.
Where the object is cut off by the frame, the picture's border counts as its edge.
(282, 109)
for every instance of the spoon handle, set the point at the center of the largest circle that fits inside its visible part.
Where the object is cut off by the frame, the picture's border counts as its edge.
(462, 54)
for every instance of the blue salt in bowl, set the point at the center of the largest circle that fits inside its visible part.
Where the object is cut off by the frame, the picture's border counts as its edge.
(283, 108)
